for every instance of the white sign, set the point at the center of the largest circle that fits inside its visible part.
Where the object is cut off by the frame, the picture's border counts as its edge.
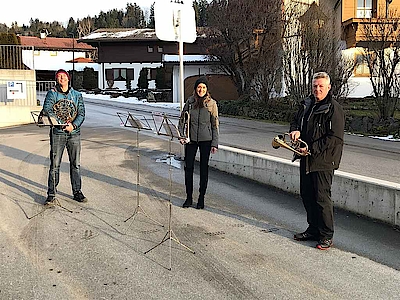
(175, 21)
(16, 90)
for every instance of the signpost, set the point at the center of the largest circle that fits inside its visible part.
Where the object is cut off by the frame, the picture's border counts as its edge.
(16, 90)
(175, 21)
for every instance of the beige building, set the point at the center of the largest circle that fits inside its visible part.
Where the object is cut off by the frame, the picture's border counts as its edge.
(17, 86)
(356, 15)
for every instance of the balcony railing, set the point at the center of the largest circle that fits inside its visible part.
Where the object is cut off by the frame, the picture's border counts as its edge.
(16, 57)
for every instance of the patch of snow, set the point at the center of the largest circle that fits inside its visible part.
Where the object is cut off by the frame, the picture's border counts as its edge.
(133, 100)
(386, 138)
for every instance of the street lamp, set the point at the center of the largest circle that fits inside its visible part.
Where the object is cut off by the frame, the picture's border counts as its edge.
(73, 59)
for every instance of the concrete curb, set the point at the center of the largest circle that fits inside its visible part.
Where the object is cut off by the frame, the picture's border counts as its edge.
(374, 198)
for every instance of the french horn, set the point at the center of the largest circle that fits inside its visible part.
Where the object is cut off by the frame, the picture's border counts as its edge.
(294, 146)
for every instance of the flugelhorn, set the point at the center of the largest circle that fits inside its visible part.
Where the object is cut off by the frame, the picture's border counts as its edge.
(279, 141)
(186, 127)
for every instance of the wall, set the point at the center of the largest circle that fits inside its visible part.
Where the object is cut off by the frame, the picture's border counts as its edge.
(54, 60)
(189, 70)
(369, 197)
(220, 85)
(17, 111)
(121, 85)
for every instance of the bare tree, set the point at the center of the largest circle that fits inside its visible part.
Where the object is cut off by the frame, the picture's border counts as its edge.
(310, 44)
(382, 56)
(244, 36)
(85, 26)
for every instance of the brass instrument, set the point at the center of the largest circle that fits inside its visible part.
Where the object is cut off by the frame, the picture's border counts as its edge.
(279, 141)
(186, 127)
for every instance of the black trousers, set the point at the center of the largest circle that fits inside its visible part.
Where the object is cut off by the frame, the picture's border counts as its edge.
(315, 190)
(190, 155)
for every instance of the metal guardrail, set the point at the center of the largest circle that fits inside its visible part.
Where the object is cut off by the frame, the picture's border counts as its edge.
(42, 87)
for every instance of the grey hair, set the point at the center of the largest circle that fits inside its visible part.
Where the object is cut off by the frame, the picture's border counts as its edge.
(322, 75)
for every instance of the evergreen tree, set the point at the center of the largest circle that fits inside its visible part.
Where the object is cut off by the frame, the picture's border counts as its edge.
(160, 78)
(151, 23)
(89, 78)
(143, 82)
(200, 8)
(72, 28)
(9, 39)
(3, 27)
(134, 17)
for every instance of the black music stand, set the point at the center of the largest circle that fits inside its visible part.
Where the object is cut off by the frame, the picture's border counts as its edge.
(43, 120)
(169, 129)
(138, 122)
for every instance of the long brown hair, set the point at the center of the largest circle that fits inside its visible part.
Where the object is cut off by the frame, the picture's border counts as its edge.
(199, 101)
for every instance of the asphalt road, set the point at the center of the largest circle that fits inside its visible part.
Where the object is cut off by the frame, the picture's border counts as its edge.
(362, 155)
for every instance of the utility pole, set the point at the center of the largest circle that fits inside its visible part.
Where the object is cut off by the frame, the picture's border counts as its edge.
(73, 59)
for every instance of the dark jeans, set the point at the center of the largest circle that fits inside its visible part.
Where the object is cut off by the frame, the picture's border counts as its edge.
(315, 190)
(58, 142)
(190, 155)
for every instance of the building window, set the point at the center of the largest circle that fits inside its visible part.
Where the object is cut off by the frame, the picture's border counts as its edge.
(364, 8)
(119, 74)
(53, 53)
(160, 49)
(150, 49)
(361, 66)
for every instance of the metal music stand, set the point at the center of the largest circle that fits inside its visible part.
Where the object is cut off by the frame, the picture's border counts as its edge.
(167, 128)
(138, 122)
(43, 120)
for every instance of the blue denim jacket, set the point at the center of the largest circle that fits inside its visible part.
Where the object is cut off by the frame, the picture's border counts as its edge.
(54, 95)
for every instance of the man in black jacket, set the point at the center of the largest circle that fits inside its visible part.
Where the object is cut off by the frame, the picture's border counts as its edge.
(320, 123)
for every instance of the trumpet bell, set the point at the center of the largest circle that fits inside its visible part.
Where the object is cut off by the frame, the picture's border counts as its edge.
(294, 146)
(277, 141)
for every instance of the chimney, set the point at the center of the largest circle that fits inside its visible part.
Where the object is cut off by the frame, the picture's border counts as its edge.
(44, 33)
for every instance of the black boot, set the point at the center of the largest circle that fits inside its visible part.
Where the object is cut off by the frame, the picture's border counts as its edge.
(200, 202)
(188, 203)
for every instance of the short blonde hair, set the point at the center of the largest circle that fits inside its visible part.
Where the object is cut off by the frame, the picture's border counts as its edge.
(322, 75)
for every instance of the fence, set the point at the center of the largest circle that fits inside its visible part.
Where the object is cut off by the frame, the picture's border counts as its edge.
(41, 90)
(16, 57)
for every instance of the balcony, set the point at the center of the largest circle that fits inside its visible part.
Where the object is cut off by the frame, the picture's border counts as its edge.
(361, 32)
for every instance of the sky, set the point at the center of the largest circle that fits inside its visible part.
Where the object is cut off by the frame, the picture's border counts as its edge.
(22, 11)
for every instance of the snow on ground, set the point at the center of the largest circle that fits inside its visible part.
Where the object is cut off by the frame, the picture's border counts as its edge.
(133, 100)
(360, 87)
(386, 138)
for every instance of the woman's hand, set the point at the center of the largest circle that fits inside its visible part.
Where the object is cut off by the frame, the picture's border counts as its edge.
(214, 150)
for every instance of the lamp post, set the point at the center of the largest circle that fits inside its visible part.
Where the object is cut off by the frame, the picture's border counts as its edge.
(73, 59)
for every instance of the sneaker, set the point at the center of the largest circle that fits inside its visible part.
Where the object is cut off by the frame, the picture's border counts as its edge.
(78, 196)
(324, 244)
(305, 236)
(50, 200)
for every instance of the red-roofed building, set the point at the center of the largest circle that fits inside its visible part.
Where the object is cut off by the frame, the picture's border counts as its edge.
(51, 54)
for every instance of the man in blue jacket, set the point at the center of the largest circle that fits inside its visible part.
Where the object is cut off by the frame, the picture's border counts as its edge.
(320, 123)
(71, 115)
